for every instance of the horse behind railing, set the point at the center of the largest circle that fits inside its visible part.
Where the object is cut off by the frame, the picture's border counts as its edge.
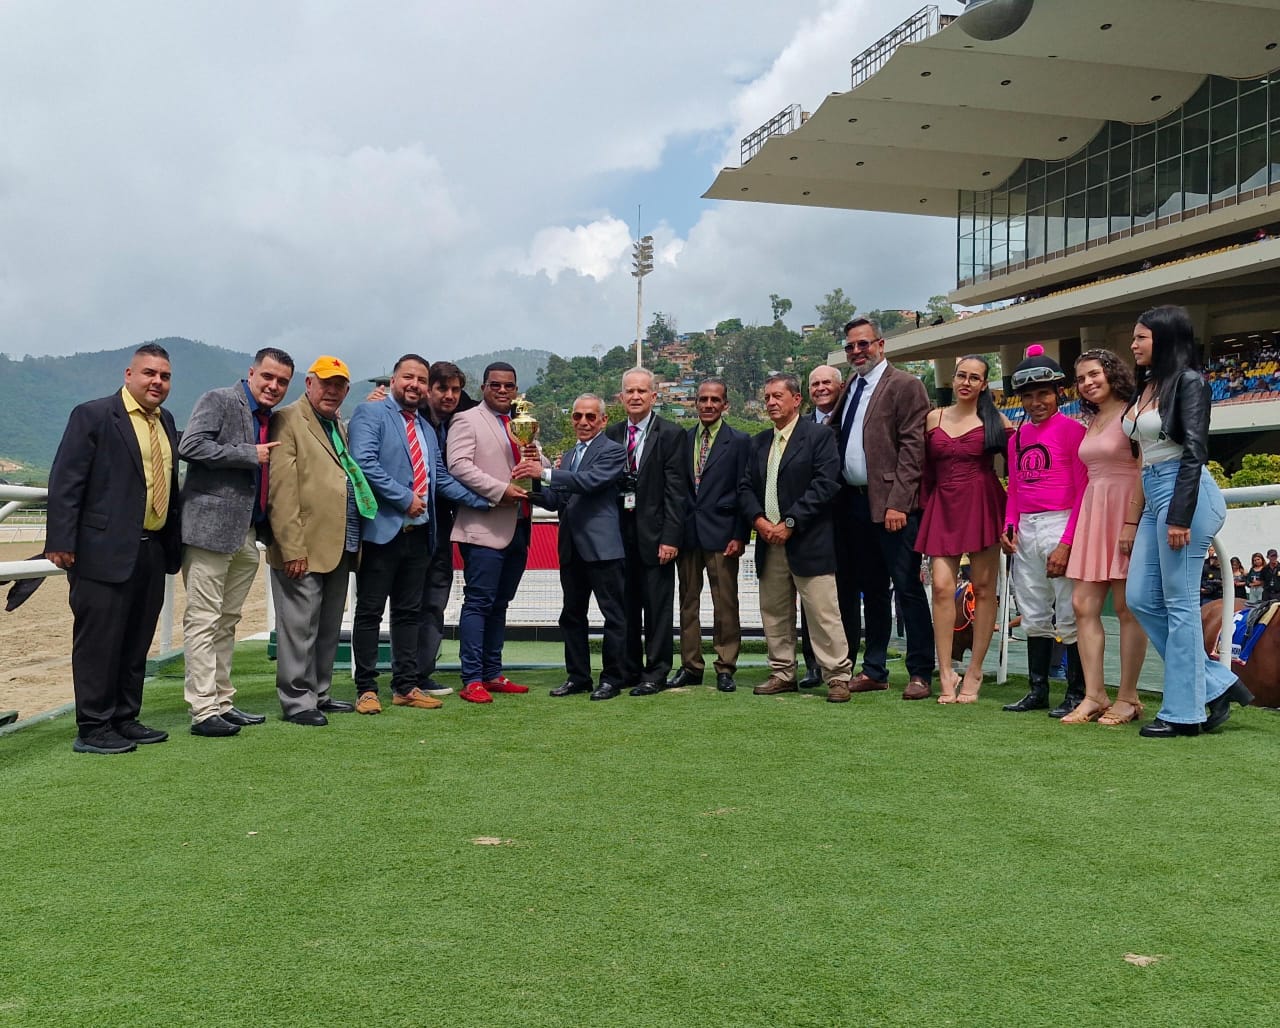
(1261, 673)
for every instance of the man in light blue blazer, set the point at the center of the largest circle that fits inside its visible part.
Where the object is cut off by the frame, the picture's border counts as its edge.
(400, 457)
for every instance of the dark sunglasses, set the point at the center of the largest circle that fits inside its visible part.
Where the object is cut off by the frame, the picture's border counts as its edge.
(584, 415)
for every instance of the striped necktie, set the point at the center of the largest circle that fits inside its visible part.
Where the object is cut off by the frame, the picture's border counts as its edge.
(415, 454)
(159, 480)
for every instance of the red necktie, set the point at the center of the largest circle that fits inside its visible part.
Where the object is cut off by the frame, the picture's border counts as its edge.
(523, 510)
(415, 455)
(263, 468)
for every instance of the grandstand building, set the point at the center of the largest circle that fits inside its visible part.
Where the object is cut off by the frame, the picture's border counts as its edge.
(1097, 156)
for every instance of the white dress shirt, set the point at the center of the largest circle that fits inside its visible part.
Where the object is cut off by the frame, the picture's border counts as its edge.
(855, 456)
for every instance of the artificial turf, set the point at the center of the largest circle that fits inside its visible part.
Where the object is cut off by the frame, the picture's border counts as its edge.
(693, 858)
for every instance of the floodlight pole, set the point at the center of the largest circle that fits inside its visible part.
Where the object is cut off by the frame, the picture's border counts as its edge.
(641, 265)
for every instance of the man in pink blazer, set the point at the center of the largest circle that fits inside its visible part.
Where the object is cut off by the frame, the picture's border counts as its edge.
(495, 542)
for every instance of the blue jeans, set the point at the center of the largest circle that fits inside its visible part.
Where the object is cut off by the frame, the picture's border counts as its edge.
(491, 578)
(1164, 594)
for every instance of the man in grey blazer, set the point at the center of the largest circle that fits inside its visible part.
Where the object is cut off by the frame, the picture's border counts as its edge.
(584, 489)
(224, 513)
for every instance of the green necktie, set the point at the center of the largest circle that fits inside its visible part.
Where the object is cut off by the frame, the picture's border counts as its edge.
(366, 502)
(771, 510)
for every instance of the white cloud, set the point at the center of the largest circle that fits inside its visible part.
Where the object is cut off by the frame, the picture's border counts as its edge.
(339, 178)
(596, 250)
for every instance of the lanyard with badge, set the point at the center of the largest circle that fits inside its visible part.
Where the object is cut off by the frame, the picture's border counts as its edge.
(633, 467)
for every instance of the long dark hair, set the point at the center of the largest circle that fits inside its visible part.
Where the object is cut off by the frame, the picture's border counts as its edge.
(1117, 374)
(1173, 350)
(994, 439)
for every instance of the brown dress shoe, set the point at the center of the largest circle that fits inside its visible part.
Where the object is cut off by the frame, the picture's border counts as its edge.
(774, 686)
(415, 697)
(838, 691)
(863, 682)
(917, 689)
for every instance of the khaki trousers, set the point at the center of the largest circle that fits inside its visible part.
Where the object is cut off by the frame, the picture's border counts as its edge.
(216, 584)
(778, 589)
(726, 628)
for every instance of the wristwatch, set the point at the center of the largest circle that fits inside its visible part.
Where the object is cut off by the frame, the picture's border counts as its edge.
(790, 522)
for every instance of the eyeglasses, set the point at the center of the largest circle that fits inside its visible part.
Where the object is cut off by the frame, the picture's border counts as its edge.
(964, 376)
(1029, 376)
(584, 415)
(862, 344)
(501, 387)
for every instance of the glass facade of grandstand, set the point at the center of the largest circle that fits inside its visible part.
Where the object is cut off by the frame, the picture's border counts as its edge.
(1221, 147)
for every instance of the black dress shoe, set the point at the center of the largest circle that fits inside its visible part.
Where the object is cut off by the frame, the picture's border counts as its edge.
(1070, 701)
(236, 716)
(103, 740)
(607, 691)
(336, 707)
(1220, 706)
(646, 689)
(1158, 729)
(214, 727)
(136, 731)
(725, 682)
(683, 677)
(308, 717)
(570, 688)
(811, 679)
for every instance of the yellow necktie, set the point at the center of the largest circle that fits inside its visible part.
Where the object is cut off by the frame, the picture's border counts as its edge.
(159, 480)
(771, 510)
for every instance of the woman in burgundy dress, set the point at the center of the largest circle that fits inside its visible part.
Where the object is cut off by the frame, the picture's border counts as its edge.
(963, 504)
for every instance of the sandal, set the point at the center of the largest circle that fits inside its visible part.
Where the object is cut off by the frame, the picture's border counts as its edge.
(964, 696)
(1083, 717)
(1111, 717)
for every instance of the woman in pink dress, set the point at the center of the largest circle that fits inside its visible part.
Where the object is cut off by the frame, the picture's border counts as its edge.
(1097, 566)
(963, 503)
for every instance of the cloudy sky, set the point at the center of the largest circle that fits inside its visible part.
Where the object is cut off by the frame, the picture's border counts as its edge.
(368, 178)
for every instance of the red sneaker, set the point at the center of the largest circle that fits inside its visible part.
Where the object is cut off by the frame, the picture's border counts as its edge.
(476, 693)
(504, 684)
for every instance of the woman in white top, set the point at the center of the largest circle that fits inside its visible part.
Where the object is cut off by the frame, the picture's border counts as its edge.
(1172, 519)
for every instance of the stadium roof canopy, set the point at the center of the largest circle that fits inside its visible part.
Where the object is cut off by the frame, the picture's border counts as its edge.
(951, 111)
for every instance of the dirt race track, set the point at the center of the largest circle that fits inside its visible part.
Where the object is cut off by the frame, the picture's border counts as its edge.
(35, 639)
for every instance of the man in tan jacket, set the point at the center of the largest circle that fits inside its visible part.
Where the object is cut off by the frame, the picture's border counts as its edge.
(313, 509)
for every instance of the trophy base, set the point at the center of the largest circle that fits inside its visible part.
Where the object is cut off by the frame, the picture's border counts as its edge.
(524, 483)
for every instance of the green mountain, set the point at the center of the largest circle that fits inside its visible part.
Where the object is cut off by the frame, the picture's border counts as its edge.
(526, 362)
(37, 393)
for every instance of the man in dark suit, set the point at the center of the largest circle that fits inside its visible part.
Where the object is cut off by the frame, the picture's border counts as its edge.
(584, 489)
(824, 393)
(714, 537)
(880, 420)
(113, 527)
(792, 474)
(652, 502)
(398, 454)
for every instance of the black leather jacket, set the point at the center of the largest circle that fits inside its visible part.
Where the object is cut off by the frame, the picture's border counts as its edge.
(1186, 422)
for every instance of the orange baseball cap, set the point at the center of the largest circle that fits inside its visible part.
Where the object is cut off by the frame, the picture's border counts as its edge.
(329, 367)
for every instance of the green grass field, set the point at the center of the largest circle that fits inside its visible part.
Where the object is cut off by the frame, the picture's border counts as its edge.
(688, 859)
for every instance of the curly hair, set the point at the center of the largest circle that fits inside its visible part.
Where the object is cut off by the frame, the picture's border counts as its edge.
(1118, 374)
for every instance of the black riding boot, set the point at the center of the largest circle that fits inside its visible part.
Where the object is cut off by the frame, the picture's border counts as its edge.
(1075, 684)
(1039, 653)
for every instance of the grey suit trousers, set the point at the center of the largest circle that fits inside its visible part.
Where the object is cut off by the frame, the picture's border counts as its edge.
(308, 623)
